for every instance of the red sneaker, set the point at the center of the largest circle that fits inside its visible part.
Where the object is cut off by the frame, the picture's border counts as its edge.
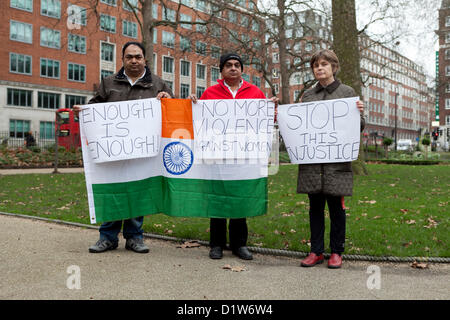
(335, 261)
(312, 260)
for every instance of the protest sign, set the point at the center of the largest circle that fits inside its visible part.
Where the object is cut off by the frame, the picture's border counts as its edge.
(321, 131)
(122, 130)
(172, 182)
(233, 128)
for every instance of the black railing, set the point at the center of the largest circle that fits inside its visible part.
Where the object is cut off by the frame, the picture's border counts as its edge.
(16, 140)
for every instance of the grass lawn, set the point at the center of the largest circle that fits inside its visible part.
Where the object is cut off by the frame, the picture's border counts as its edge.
(396, 210)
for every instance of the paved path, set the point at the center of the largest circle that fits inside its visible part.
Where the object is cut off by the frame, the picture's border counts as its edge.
(43, 170)
(35, 257)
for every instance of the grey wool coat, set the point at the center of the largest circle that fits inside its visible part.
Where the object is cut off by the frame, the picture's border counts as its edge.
(334, 179)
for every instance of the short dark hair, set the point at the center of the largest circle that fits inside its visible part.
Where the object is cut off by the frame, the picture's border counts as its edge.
(327, 55)
(134, 43)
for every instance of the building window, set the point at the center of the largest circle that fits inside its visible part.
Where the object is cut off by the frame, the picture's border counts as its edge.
(447, 37)
(26, 5)
(447, 54)
(185, 68)
(73, 100)
(200, 48)
(105, 73)
(107, 23)
(232, 16)
(447, 71)
(107, 52)
(131, 5)
(19, 63)
(201, 72)
(186, 2)
(185, 44)
(215, 52)
(199, 91)
(19, 97)
(19, 31)
(447, 104)
(201, 27)
(170, 84)
(201, 5)
(76, 43)
(50, 38)
(447, 88)
(76, 15)
(129, 29)
(167, 64)
(184, 91)
(110, 2)
(17, 128)
(256, 81)
(447, 21)
(49, 68)
(48, 100)
(155, 36)
(51, 8)
(275, 73)
(168, 14)
(186, 18)
(47, 130)
(215, 74)
(168, 39)
(77, 72)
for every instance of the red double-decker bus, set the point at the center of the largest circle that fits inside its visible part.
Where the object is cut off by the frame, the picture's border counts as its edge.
(67, 129)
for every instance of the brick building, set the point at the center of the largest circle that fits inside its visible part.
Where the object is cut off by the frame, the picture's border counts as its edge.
(394, 90)
(443, 77)
(55, 52)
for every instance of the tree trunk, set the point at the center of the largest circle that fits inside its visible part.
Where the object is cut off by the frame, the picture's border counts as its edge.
(147, 31)
(282, 47)
(345, 45)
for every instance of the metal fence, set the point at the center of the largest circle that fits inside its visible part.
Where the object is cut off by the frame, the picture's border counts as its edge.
(16, 140)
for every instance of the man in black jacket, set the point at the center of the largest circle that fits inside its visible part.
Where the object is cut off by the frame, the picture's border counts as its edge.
(133, 81)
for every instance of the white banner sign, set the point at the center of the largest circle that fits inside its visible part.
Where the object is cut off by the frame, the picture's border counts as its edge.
(233, 128)
(122, 130)
(321, 131)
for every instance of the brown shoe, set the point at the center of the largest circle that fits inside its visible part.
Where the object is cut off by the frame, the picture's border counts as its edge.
(312, 260)
(335, 261)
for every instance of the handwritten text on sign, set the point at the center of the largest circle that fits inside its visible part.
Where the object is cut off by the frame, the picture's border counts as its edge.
(122, 130)
(321, 131)
(233, 128)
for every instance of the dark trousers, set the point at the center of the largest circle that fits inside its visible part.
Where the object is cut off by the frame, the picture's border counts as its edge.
(317, 222)
(218, 233)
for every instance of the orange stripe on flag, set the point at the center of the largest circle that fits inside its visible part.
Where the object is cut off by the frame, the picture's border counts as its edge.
(177, 119)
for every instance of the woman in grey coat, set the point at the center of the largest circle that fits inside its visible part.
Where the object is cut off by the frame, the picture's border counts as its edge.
(327, 182)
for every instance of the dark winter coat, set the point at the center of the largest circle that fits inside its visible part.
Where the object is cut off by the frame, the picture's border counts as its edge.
(117, 88)
(328, 178)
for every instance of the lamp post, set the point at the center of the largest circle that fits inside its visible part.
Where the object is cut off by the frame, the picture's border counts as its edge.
(395, 120)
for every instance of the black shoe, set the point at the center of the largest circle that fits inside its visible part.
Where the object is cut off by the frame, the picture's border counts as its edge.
(216, 253)
(137, 245)
(103, 245)
(243, 253)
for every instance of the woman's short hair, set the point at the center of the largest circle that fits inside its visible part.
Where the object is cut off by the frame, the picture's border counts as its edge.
(327, 55)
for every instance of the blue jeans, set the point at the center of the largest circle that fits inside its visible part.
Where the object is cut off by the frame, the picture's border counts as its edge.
(132, 228)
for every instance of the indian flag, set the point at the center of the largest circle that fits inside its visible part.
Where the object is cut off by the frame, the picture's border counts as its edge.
(174, 182)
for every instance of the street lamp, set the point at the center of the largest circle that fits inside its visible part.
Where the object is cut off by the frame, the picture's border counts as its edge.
(395, 120)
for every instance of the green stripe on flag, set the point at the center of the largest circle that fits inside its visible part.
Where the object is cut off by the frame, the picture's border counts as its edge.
(180, 198)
